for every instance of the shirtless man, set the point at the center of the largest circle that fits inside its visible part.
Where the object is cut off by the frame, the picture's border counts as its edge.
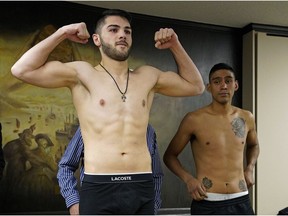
(113, 105)
(218, 134)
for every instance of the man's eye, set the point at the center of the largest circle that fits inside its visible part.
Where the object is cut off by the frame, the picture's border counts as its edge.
(128, 32)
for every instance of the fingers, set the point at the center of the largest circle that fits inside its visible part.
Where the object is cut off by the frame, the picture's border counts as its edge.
(199, 193)
(83, 33)
(163, 36)
(77, 32)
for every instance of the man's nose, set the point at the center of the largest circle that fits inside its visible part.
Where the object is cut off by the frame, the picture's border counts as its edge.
(122, 34)
(223, 84)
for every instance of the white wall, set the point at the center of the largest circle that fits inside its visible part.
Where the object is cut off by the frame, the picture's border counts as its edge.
(269, 74)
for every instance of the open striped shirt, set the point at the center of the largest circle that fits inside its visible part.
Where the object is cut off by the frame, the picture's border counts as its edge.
(73, 157)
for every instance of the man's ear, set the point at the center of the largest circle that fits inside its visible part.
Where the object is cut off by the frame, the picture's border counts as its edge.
(96, 40)
(208, 87)
(236, 85)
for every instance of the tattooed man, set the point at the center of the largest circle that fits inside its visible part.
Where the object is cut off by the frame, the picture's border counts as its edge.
(219, 134)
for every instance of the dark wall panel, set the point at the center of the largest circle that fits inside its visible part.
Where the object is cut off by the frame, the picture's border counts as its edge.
(206, 44)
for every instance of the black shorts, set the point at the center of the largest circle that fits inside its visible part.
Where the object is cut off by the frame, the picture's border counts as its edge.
(237, 206)
(117, 194)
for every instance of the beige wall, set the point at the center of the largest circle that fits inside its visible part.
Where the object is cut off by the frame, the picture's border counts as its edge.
(265, 75)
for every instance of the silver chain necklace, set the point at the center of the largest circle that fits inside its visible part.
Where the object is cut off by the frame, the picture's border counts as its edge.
(123, 97)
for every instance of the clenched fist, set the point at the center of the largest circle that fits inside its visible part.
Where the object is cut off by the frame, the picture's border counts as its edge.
(165, 38)
(77, 32)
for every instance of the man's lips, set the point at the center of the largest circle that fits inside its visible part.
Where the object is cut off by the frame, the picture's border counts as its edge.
(223, 93)
(122, 43)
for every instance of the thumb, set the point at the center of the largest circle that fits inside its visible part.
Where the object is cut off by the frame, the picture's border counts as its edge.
(158, 44)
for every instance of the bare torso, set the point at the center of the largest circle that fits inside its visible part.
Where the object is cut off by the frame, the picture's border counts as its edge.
(218, 148)
(114, 132)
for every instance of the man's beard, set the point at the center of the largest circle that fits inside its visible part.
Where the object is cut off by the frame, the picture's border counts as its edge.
(114, 53)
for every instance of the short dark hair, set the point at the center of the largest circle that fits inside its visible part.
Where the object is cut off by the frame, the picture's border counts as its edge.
(111, 12)
(221, 66)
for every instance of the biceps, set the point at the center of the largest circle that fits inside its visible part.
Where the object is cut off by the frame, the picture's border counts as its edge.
(52, 75)
(169, 83)
(252, 138)
(178, 143)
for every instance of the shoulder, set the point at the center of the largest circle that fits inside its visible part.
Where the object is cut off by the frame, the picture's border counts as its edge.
(245, 113)
(195, 117)
(201, 112)
(84, 71)
(79, 65)
(146, 69)
(247, 116)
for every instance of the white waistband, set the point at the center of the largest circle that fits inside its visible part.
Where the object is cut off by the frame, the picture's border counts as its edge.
(117, 173)
(221, 197)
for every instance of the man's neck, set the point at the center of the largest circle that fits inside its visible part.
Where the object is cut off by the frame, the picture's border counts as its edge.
(221, 109)
(115, 67)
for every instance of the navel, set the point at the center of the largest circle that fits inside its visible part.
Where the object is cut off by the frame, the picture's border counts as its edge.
(207, 143)
(102, 102)
(143, 103)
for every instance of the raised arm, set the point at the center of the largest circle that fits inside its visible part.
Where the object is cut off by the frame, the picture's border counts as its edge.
(68, 165)
(189, 81)
(33, 67)
(252, 151)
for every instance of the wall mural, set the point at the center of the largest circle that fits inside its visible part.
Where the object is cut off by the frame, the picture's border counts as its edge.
(37, 126)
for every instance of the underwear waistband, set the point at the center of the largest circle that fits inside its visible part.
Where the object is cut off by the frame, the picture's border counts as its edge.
(221, 197)
(118, 178)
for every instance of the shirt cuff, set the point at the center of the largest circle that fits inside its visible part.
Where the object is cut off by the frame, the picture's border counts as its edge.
(71, 200)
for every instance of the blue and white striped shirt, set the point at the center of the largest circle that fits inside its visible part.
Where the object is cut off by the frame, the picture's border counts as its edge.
(74, 153)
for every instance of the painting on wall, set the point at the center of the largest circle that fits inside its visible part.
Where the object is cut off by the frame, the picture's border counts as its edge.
(37, 125)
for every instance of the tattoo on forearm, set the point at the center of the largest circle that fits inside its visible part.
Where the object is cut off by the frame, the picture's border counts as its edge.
(207, 183)
(242, 185)
(238, 127)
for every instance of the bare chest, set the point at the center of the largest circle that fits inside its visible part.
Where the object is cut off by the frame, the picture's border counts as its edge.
(222, 133)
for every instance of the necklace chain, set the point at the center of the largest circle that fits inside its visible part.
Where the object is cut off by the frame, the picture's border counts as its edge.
(123, 96)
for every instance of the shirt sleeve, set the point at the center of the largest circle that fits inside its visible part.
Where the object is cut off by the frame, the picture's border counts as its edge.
(67, 166)
(156, 166)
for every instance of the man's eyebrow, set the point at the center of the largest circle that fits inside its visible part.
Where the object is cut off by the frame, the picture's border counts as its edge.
(216, 78)
(117, 26)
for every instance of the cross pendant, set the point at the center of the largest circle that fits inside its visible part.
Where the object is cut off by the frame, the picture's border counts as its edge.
(123, 98)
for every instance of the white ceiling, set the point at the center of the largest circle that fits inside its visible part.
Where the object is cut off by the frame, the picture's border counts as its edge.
(224, 13)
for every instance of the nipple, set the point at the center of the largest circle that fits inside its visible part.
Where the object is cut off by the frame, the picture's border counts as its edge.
(102, 102)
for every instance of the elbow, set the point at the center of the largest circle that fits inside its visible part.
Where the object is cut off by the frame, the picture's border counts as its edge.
(166, 159)
(19, 70)
(16, 71)
(198, 88)
(201, 88)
